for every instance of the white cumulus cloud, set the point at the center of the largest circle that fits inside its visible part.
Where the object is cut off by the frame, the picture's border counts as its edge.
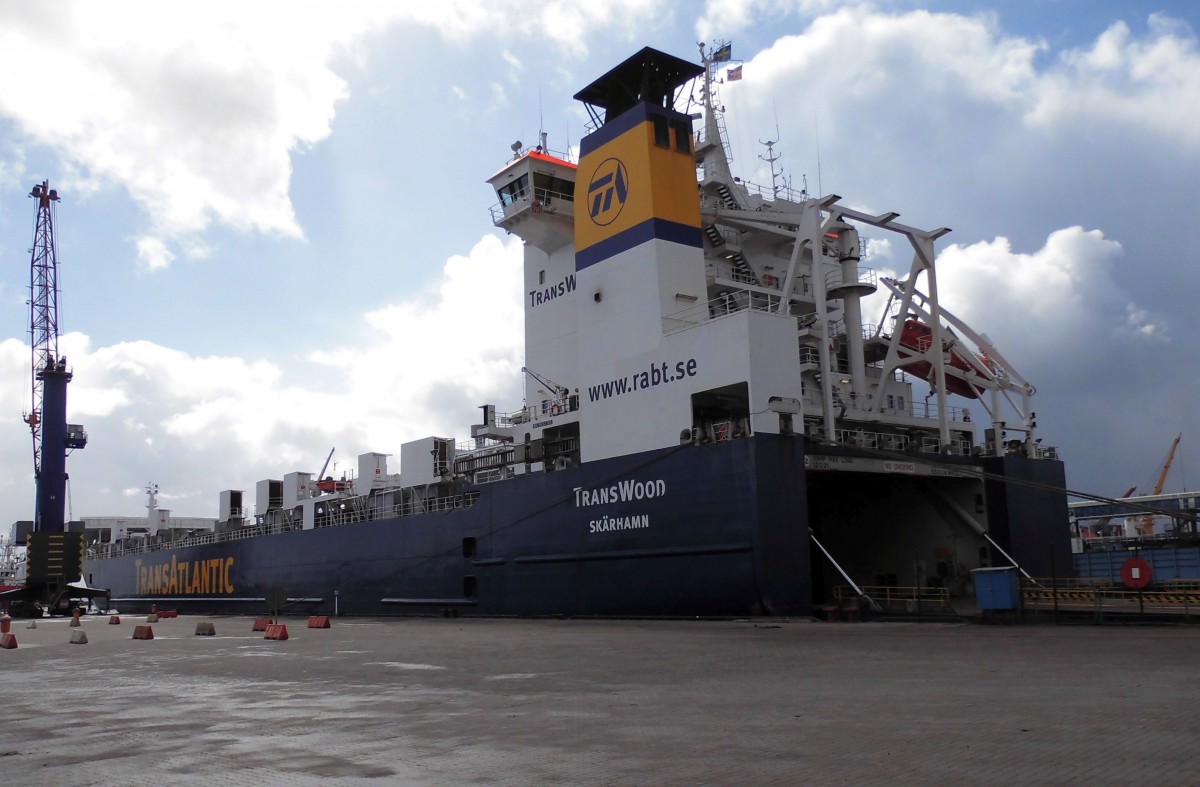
(196, 425)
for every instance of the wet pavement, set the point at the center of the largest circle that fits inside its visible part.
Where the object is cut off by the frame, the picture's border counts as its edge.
(466, 701)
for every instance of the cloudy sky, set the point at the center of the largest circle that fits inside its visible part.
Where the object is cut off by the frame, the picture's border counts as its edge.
(274, 236)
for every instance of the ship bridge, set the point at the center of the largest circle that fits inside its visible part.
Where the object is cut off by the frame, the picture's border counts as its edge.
(536, 192)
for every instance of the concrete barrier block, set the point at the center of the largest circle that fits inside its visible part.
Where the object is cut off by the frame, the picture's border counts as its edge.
(278, 631)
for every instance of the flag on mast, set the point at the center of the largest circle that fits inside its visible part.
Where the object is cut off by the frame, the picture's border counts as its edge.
(723, 53)
(734, 74)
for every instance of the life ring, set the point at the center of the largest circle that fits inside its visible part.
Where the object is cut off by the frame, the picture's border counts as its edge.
(554, 409)
(537, 206)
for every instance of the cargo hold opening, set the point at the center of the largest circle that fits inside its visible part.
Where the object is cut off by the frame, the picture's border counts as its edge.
(896, 531)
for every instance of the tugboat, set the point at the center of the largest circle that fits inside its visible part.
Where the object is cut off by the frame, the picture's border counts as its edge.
(710, 427)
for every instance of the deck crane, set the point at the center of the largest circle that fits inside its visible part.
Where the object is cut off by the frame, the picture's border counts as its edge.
(558, 392)
(54, 558)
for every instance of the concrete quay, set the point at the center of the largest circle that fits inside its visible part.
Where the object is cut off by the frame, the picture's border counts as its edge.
(500, 701)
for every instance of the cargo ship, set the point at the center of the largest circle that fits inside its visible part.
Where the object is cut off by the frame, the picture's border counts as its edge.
(712, 425)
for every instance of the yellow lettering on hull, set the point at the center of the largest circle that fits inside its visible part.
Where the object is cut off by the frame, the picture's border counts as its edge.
(174, 577)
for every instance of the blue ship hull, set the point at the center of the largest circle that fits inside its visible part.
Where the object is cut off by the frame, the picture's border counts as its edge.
(717, 529)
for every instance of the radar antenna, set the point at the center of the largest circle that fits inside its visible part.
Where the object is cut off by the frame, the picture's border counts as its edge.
(771, 158)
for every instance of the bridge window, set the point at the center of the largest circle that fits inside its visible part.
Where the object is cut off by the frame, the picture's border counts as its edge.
(549, 188)
(514, 191)
(662, 132)
(683, 135)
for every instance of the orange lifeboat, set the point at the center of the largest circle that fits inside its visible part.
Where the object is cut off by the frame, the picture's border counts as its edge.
(918, 336)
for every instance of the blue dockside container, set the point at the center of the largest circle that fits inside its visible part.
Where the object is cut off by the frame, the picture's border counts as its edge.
(997, 588)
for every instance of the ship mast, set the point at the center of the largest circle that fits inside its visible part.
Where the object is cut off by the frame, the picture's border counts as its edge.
(771, 158)
(713, 146)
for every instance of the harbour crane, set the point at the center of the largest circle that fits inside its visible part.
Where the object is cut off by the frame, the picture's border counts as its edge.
(1146, 526)
(53, 437)
(54, 557)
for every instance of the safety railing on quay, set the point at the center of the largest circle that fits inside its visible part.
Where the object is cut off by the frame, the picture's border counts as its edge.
(893, 598)
(1179, 597)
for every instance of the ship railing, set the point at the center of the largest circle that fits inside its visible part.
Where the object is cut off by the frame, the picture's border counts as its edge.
(893, 441)
(522, 416)
(1017, 448)
(867, 277)
(545, 409)
(926, 411)
(742, 276)
(566, 156)
(773, 193)
(346, 516)
(725, 269)
(721, 306)
(426, 506)
(860, 438)
(1046, 451)
(869, 330)
(1117, 543)
(543, 201)
(478, 444)
(143, 545)
(932, 444)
